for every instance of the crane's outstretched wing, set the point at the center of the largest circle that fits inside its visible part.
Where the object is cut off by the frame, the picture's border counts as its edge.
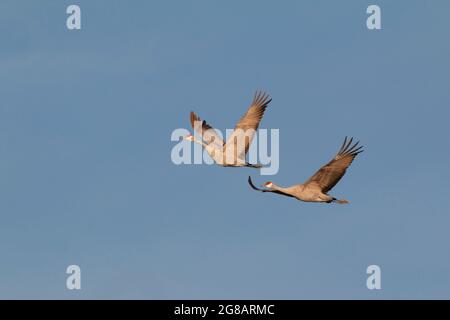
(242, 136)
(207, 132)
(250, 182)
(330, 174)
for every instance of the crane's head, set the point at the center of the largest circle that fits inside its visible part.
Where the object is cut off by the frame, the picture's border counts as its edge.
(189, 137)
(268, 184)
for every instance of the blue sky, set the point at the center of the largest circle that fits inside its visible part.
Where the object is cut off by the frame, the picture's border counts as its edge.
(85, 170)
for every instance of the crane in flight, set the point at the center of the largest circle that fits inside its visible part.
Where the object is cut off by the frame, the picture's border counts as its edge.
(232, 153)
(317, 187)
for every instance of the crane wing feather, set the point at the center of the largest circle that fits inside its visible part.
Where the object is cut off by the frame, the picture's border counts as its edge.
(242, 136)
(330, 174)
(208, 133)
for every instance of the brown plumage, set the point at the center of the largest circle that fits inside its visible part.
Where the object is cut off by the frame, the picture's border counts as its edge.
(315, 188)
(249, 123)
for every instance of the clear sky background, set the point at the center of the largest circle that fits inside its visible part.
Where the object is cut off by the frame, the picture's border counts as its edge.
(86, 176)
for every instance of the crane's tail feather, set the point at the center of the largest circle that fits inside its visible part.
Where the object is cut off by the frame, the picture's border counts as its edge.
(340, 201)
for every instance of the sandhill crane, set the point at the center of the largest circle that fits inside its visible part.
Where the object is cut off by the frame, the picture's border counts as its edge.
(233, 152)
(316, 188)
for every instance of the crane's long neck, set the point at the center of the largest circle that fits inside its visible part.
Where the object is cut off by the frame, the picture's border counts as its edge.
(288, 190)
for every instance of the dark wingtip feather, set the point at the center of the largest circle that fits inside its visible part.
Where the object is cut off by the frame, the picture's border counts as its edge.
(261, 98)
(343, 145)
(348, 144)
(358, 151)
(352, 148)
(348, 148)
